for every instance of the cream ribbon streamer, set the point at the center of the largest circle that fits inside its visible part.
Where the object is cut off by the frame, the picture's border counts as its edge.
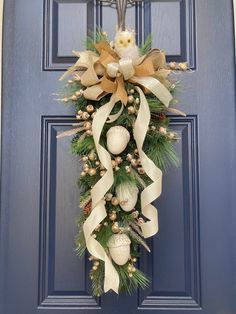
(98, 213)
(153, 191)
(156, 87)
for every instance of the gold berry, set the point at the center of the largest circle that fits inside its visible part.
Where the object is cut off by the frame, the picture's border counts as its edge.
(78, 93)
(130, 99)
(172, 65)
(129, 157)
(90, 108)
(92, 156)
(118, 160)
(115, 228)
(108, 197)
(137, 101)
(162, 130)
(85, 115)
(141, 170)
(183, 66)
(113, 162)
(92, 172)
(74, 97)
(131, 110)
(115, 201)
(130, 268)
(87, 125)
(89, 132)
(134, 162)
(112, 216)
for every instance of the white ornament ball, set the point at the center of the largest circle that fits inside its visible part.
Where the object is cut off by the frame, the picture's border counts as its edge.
(119, 248)
(117, 139)
(127, 195)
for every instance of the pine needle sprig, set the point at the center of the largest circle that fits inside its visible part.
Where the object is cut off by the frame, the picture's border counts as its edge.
(97, 278)
(94, 37)
(131, 284)
(80, 244)
(82, 145)
(146, 46)
(161, 151)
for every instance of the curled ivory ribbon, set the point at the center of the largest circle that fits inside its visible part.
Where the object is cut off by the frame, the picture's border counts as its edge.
(153, 191)
(98, 213)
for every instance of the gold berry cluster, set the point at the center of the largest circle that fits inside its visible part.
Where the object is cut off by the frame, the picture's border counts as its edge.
(131, 267)
(183, 66)
(133, 102)
(135, 162)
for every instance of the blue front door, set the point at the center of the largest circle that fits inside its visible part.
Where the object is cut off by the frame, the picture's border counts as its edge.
(192, 264)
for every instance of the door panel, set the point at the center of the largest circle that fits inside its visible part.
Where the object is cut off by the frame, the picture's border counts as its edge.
(192, 264)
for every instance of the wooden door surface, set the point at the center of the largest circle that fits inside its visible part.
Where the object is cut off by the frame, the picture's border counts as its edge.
(193, 260)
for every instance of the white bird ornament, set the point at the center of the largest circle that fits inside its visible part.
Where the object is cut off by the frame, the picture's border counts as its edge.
(125, 45)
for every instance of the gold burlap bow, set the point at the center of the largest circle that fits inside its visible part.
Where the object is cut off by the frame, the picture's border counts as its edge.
(106, 74)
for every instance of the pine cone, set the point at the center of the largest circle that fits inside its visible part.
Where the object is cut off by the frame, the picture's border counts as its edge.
(161, 116)
(87, 208)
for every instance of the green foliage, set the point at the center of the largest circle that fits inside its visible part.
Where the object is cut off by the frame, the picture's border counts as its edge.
(131, 284)
(144, 49)
(155, 105)
(127, 284)
(122, 176)
(97, 278)
(80, 240)
(94, 37)
(82, 145)
(160, 151)
(104, 235)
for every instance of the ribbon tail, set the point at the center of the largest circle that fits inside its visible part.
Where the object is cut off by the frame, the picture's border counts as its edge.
(156, 87)
(98, 213)
(153, 191)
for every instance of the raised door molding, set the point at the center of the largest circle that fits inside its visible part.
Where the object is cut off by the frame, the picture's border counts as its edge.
(68, 22)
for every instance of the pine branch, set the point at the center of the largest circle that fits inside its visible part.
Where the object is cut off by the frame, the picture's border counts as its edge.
(146, 45)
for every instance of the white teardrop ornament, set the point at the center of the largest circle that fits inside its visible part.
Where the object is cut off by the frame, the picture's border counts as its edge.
(127, 195)
(119, 248)
(117, 139)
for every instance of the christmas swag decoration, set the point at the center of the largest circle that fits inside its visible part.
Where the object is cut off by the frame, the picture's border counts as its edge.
(121, 95)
